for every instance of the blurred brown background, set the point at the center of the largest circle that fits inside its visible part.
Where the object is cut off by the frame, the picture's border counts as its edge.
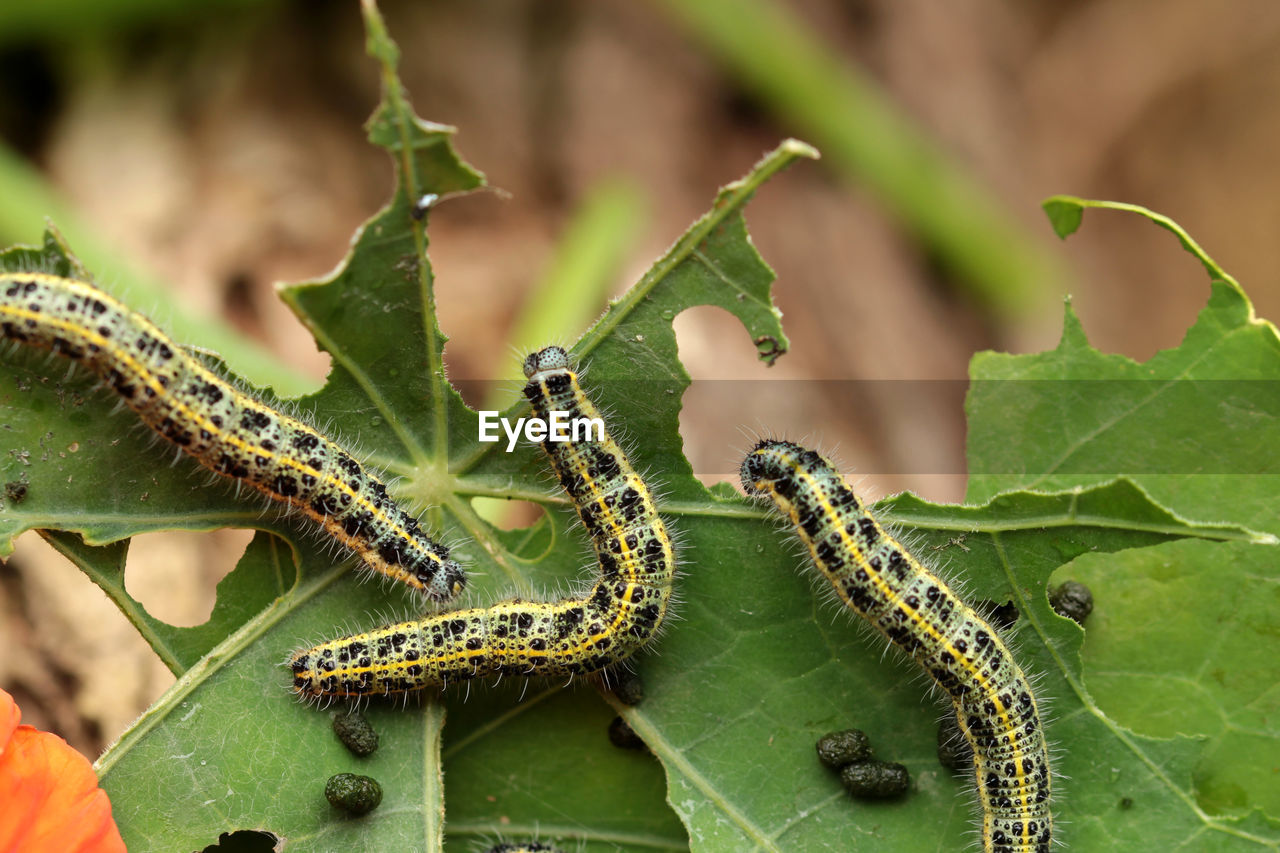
(223, 151)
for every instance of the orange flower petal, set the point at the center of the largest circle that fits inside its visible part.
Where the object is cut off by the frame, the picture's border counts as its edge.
(9, 717)
(50, 793)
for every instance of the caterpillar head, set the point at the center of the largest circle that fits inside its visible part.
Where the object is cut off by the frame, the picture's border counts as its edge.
(548, 358)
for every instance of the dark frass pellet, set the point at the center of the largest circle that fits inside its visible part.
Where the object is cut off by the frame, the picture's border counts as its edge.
(628, 687)
(954, 751)
(840, 748)
(623, 736)
(353, 794)
(1073, 600)
(875, 779)
(356, 733)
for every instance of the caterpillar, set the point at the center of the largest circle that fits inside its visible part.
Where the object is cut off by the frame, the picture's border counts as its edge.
(876, 577)
(224, 429)
(608, 624)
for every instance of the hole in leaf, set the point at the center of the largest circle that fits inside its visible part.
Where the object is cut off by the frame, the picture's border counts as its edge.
(1002, 615)
(244, 841)
(175, 574)
(886, 431)
(734, 398)
(507, 514)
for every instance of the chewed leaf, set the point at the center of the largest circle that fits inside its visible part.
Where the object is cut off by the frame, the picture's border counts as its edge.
(1190, 424)
(812, 671)
(1190, 428)
(386, 394)
(1106, 481)
(1067, 212)
(1065, 215)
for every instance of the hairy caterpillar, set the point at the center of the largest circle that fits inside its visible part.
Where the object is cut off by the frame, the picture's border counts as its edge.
(222, 428)
(617, 616)
(875, 576)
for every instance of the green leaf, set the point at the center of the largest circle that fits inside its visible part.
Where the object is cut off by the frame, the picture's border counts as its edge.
(1065, 215)
(1192, 424)
(754, 669)
(765, 661)
(227, 747)
(241, 594)
(1066, 212)
(1181, 641)
(1211, 677)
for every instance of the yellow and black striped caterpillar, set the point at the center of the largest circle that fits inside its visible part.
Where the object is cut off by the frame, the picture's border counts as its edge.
(614, 619)
(919, 613)
(224, 429)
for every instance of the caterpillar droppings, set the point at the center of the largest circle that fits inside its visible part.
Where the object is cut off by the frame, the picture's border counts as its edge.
(613, 620)
(919, 613)
(873, 779)
(223, 429)
(352, 793)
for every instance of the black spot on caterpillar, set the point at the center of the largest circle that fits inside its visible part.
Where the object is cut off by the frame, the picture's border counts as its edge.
(613, 620)
(875, 576)
(224, 429)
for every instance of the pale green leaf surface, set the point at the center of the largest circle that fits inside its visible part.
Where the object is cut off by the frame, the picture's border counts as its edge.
(1183, 641)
